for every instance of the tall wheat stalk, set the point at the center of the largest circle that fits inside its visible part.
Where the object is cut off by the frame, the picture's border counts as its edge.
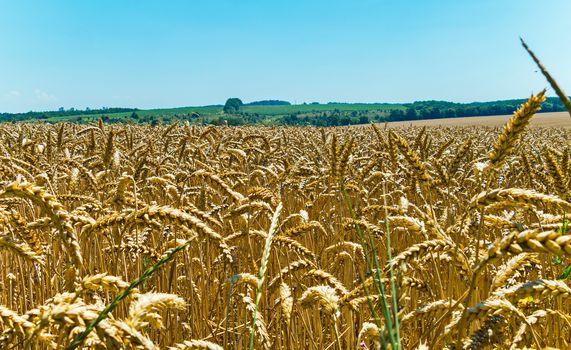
(264, 267)
(558, 90)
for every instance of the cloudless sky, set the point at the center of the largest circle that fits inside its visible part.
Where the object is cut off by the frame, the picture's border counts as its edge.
(151, 53)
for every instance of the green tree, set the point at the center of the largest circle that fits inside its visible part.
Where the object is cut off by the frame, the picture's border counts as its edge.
(450, 113)
(232, 105)
(344, 120)
(410, 113)
(396, 114)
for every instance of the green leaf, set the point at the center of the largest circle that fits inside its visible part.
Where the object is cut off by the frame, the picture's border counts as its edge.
(564, 228)
(565, 273)
(145, 266)
(557, 260)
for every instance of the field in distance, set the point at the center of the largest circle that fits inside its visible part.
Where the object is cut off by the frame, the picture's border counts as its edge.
(269, 114)
(555, 119)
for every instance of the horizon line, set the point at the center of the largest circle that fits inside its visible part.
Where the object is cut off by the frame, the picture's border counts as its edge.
(294, 103)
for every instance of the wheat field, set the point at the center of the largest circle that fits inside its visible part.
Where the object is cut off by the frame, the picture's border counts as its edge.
(542, 120)
(278, 228)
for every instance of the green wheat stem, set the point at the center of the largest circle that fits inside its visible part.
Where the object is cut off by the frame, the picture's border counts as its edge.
(377, 276)
(391, 273)
(169, 255)
(367, 257)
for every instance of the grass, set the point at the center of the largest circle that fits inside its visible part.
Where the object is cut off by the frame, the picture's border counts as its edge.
(278, 110)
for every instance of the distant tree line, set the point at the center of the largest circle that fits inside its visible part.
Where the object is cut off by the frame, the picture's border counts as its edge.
(9, 117)
(338, 116)
(268, 103)
(334, 118)
(414, 111)
(443, 109)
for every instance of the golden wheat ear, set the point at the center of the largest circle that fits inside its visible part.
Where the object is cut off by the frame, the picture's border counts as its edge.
(564, 98)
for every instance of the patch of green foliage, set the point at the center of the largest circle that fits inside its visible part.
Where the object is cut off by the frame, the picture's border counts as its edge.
(275, 112)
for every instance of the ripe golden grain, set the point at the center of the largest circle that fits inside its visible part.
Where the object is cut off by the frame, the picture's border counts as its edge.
(85, 210)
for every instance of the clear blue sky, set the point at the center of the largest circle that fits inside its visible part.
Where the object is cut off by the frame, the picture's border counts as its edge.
(143, 53)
